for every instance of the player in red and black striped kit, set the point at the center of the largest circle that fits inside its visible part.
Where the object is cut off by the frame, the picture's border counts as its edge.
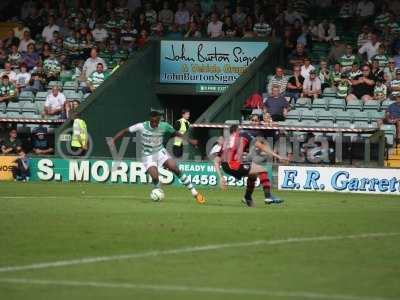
(227, 155)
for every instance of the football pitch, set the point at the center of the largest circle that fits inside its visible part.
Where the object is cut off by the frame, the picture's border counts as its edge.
(99, 241)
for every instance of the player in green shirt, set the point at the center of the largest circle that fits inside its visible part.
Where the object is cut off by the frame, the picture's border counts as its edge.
(151, 135)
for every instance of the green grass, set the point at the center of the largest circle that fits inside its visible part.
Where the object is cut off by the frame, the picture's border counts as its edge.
(87, 220)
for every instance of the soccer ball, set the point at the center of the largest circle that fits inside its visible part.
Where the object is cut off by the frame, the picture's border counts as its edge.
(157, 194)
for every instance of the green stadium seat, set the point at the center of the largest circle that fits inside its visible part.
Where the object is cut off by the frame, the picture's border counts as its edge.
(307, 115)
(26, 96)
(371, 105)
(303, 103)
(360, 124)
(14, 107)
(361, 116)
(70, 85)
(336, 103)
(320, 103)
(28, 107)
(346, 116)
(66, 76)
(289, 123)
(322, 115)
(39, 106)
(386, 103)
(354, 105)
(308, 123)
(72, 95)
(2, 107)
(293, 115)
(29, 115)
(376, 115)
(54, 83)
(324, 123)
(13, 114)
(390, 133)
(343, 124)
(41, 96)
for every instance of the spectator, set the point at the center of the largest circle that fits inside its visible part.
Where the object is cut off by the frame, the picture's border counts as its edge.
(291, 15)
(239, 17)
(338, 49)
(380, 90)
(348, 59)
(214, 28)
(97, 78)
(55, 101)
(276, 105)
(365, 9)
(91, 63)
(8, 91)
(326, 31)
(166, 15)
(390, 70)
(150, 14)
(395, 84)
(355, 71)
(392, 116)
(383, 19)
(11, 40)
(34, 22)
(375, 70)
(142, 39)
(31, 58)
(21, 171)
(324, 74)
(381, 57)
(41, 144)
(182, 16)
(347, 11)
(193, 31)
(306, 68)
(305, 37)
(298, 55)
(278, 80)
(48, 31)
(52, 68)
(23, 78)
(99, 33)
(228, 28)
(14, 57)
(371, 47)
(364, 36)
(262, 28)
(36, 83)
(19, 30)
(343, 87)
(363, 85)
(25, 41)
(12, 76)
(11, 145)
(312, 86)
(294, 88)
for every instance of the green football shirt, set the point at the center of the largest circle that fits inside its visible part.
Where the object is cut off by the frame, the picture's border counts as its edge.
(151, 139)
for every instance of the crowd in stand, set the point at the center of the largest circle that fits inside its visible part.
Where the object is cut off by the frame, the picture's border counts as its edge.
(89, 39)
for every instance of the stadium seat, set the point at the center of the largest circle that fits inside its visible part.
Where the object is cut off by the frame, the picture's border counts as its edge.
(303, 103)
(361, 116)
(28, 107)
(2, 107)
(308, 123)
(72, 95)
(29, 115)
(321, 103)
(324, 123)
(371, 105)
(65, 76)
(346, 116)
(289, 123)
(26, 96)
(307, 115)
(336, 103)
(322, 115)
(386, 103)
(376, 115)
(354, 105)
(54, 83)
(343, 124)
(14, 107)
(70, 85)
(293, 115)
(39, 106)
(41, 96)
(390, 133)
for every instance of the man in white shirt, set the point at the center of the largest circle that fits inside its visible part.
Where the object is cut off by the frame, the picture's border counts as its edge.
(12, 76)
(214, 28)
(54, 104)
(90, 64)
(23, 44)
(370, 48)
(312, 86)
(48, 31)
(99, 33)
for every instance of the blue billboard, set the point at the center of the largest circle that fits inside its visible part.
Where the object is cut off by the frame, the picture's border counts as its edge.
(210, 62)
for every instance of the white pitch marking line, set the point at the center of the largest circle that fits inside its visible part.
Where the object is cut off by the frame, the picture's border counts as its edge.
(89, 260)
(178, 288)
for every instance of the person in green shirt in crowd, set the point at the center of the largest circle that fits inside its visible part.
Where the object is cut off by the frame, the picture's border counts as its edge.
(11, 145)
(8, 91)
(97, 77)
